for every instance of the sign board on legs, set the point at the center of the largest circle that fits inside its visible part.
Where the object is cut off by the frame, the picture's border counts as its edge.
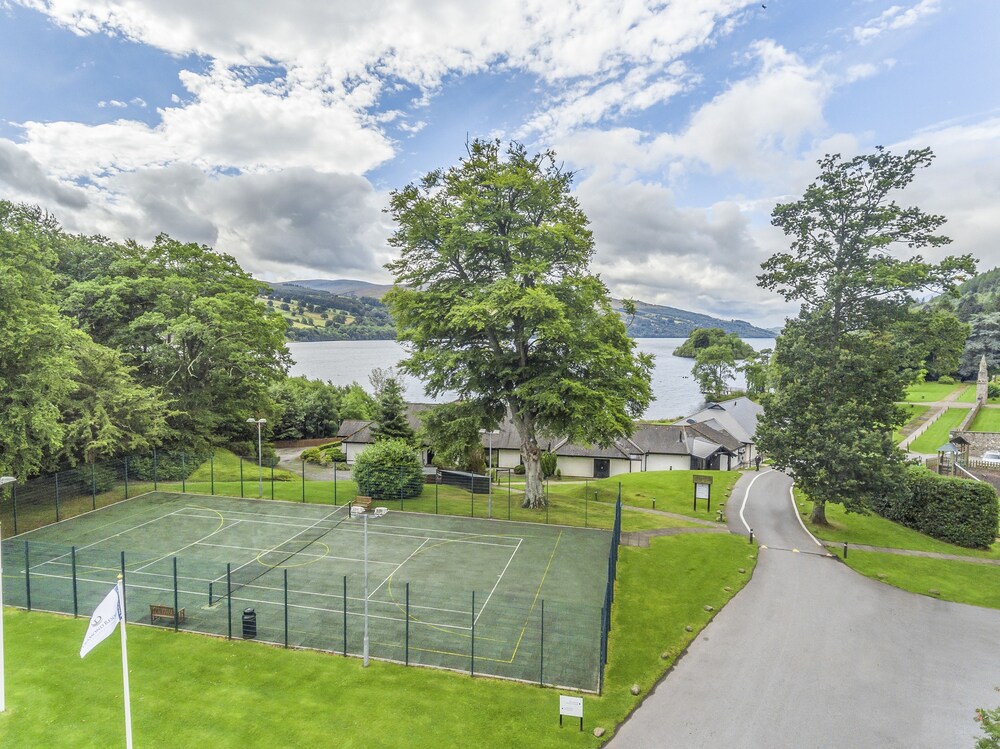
(572, 707)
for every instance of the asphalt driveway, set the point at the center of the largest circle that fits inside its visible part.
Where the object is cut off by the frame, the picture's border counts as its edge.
(811, 654)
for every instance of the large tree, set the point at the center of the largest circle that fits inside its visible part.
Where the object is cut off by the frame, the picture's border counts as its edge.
(839, 368)
(494, 296)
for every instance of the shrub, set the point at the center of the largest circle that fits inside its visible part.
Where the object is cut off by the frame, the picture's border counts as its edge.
(994, 389)
(959, 511)
(946, 380)
(548, 462)
(389, 470)
(519, 469)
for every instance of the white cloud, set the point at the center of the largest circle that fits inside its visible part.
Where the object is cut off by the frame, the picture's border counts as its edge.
(894, 18)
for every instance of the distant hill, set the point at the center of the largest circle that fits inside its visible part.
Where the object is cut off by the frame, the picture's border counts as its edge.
(654, 321)
(367, 318)
(344, 287)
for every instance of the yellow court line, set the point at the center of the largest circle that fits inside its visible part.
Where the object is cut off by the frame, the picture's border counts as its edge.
(537, 593)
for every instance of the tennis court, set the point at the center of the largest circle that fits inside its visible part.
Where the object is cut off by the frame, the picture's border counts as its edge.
(514, 600)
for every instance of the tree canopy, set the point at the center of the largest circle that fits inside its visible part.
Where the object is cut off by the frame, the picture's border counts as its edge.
(494, 296)
(840, 366)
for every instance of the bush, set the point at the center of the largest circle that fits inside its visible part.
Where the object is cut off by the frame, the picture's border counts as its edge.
(994, 389)
(548, 462)
(519, 469)
(959, 511)
(946, 380)
(389, 470)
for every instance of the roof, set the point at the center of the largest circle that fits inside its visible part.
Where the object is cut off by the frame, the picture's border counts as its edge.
(620, 449)
(350, 427)
(738, 417)
(661, 439)
(359, 430)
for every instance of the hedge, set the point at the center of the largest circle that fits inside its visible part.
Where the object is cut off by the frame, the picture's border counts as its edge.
(389, 470)
(959, 511)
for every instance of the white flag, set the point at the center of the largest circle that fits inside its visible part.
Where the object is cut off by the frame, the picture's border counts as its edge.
(106, 617)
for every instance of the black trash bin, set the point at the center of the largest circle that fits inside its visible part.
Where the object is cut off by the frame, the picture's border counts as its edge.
(249, 624)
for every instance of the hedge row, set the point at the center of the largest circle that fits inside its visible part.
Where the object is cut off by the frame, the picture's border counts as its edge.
(959, 511)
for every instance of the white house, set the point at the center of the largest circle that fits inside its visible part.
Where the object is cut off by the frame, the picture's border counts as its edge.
(737, 418)
(356, 435)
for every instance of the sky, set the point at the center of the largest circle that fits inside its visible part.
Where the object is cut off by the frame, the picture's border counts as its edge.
(275, 131)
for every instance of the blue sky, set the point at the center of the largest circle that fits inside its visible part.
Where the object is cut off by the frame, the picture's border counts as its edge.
(275, 133)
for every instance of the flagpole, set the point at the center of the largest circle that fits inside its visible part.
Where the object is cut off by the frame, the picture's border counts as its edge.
(128, 705)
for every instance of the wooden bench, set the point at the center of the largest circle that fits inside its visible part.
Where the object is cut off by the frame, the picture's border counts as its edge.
(363, 502)
(164, 612)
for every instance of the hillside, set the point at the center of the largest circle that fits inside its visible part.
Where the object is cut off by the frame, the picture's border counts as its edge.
(343, 310)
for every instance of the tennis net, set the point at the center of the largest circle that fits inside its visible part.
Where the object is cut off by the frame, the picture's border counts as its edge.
(255, 569)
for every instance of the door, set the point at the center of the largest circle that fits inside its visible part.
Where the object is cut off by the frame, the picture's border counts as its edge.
(602, 468)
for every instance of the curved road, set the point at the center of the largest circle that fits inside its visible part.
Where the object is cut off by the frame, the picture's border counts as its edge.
(812, 654)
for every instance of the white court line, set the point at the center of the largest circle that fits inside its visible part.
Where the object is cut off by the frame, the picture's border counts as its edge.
(497, 582)
(300, 554)
(795, 509)
(398, 567)
(746, 496)
(193, 543)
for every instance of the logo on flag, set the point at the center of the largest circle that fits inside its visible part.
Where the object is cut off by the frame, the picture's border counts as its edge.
(106, 617)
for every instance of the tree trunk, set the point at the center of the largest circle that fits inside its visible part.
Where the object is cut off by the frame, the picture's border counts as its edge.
(818, 516)
(534, 493)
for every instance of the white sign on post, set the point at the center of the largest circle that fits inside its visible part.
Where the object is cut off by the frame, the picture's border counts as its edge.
(701, 491)
(571, 707)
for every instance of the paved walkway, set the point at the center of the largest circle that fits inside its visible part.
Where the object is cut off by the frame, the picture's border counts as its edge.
(812, 654)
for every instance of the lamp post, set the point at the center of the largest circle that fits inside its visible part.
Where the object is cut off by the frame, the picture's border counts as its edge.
(489, 500)
(260, 456)
(4, 480)
(365, 646)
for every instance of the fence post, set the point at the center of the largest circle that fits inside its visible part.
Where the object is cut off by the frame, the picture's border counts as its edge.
(303, 481)
(176, 602)
(76, 607)
(211, 471)
(508, 495)
(345, 614)
(472, 666)
(286, 607)
(541, 648)
(437, 485)
(57, 496)
(155, 482)
(93, 486)
(229, 598)
(406, 660)
(27, 575)
(13, 497)
(334, 482)
(472, 494)
(183, 474)
(272, 480)
(126, 478)
(124, 597)
(241, 477)
(586, 510)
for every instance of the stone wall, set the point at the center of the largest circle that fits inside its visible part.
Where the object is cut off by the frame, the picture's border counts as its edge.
(979, 442)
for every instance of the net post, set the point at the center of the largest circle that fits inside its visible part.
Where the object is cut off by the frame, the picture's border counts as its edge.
(156, 486)
(57, 496)
(406, 660)
(124, 606)
(541, 648)
(183, 474)
(286, 606)
(176, 600)
(76, 602)
(126, 477)
(27, 575)
(345, 614)
(93, 488)
(229, 596)
(472, 664)
(241, 478)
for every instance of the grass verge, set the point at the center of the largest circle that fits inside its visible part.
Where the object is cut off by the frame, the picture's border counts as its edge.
(987, 420)
(930, 391)
(937, 433)
(962, 582)
(202, 691)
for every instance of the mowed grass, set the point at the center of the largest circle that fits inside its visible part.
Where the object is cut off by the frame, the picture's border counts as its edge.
(962, 582)
(929, 391)
(913, 415)
(191, 690)
(873, 530)
(937, 433)
(969, 396)
(987, 420)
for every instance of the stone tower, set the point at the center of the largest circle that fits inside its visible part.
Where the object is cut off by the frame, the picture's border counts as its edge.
(982, 386)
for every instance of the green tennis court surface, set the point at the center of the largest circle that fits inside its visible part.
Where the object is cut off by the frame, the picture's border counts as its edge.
(515, 600)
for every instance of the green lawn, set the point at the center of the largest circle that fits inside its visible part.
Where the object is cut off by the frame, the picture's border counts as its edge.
(969, 396)
(929, 391)
(937, 433)
(191, 690)
(987, 420)
(913, 415)
(873, 530)
(963, 582)
(673, 490)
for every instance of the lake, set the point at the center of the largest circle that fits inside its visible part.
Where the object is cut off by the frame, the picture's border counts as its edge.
(344, 362)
